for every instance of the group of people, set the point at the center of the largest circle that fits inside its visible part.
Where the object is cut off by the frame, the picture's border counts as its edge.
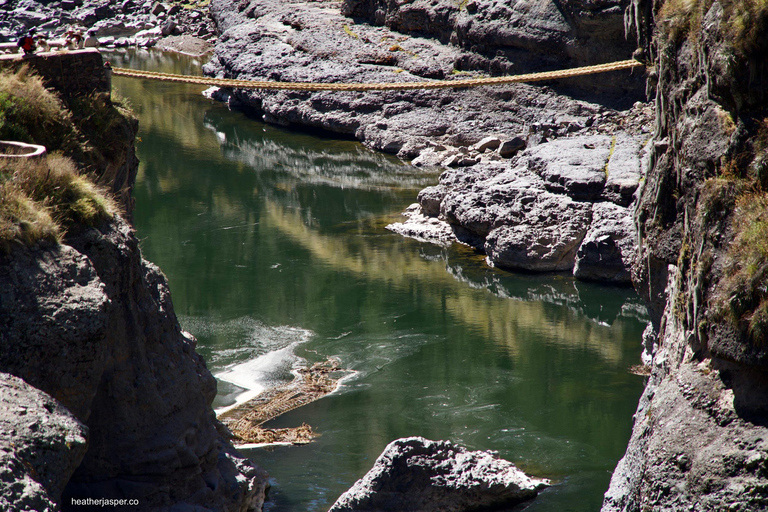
(73, 40)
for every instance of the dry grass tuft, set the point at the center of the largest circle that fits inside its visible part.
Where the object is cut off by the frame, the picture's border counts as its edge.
(42, 199)
(31, 113)
(23, 220)
(744, 23)
(747, 25)
(745, 290)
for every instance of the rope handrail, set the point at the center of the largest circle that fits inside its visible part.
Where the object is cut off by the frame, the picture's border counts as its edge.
(382, 86)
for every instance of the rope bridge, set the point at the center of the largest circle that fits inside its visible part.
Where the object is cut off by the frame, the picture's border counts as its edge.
(393, 86)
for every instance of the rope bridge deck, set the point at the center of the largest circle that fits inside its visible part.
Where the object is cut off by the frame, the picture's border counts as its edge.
(393, 86)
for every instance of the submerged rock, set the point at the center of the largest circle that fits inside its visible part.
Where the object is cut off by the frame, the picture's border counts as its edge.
(416, 474)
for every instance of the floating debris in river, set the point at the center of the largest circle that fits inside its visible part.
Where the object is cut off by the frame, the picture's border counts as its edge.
(245, 421)
(640, 369)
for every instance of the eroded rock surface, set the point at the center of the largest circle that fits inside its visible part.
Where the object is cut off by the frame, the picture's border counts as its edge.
(418, 474)
(91, 323)
(503, 37)
(41, 444)
(544, 210)
(313, 42)
(700, 431)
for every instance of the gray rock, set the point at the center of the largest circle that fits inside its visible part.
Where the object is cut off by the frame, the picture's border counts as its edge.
(574, 166)
(41, 444)
(159, 8)
(423, 227)
(514, 219)
(416, 474)
(487, 143)
(53, 316)
(608, 249)
(68, 324)
(431, 157)
(430, 199)
(460, 160)
(510, 148)
(169, 27)
(545, 238)
(625, 168)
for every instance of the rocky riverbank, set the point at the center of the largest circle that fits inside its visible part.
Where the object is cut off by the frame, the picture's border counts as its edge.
(103, 395)
(176, 26)
(529, 195)
(539, 180)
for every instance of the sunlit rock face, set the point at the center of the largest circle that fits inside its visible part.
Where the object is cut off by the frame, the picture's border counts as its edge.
(418, 474)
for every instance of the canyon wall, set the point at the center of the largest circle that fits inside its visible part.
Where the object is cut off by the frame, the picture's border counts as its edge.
(700, 438)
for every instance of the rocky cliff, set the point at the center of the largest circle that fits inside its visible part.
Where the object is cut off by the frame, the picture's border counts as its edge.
(700, 439)
(103, 395)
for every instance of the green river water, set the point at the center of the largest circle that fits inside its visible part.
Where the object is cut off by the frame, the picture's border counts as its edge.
(275, 249)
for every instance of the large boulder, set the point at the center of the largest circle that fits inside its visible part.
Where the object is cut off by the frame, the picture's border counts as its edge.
(546, 238)
(608, 249)
(516, 221)
(416, 474)
(575, 166)
(41, 444)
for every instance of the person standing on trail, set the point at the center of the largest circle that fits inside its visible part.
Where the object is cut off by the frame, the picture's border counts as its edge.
(27, 42)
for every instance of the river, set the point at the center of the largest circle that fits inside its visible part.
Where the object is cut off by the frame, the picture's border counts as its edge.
(274, 245)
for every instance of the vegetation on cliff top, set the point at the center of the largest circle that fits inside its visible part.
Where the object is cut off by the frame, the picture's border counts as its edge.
(40, 200)
(745, 22)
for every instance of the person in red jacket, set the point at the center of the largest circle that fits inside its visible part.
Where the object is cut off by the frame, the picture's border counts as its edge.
(27, 42)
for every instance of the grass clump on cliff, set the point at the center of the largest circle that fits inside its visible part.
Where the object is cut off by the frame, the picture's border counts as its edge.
(31, 113)
(744, 22)
(747, 25)
(746, 285)
(679, 19)
(90, 129)
(40, 200)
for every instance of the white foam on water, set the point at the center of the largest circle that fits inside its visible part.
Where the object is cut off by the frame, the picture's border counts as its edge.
(248, 354)
(256, 375)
